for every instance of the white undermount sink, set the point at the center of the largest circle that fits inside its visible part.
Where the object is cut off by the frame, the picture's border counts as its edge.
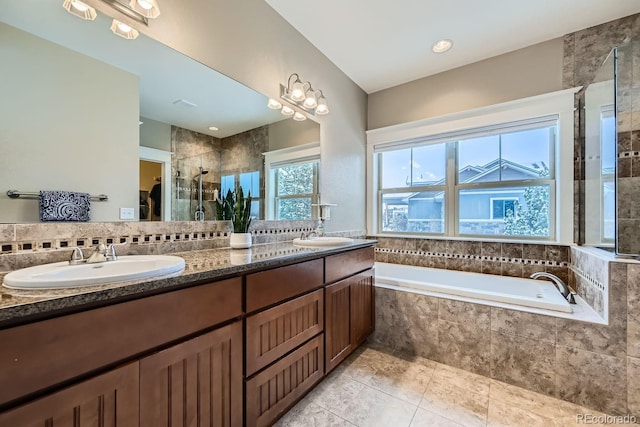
(63, 275)
(322, 242)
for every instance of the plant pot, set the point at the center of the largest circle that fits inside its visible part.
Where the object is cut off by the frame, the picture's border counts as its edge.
(240, 256)
(240, 240)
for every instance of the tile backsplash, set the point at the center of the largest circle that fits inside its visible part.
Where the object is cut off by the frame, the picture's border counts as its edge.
(24, 245)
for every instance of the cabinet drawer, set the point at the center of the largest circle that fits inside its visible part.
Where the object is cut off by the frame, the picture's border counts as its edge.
(346, 264)
(278, 330)
(277, 388)
(42, 354)
(269, 287)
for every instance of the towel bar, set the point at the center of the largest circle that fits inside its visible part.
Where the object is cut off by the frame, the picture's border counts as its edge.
(14, 194)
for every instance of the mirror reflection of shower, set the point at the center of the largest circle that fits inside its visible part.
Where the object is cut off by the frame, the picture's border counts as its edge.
(199, 213)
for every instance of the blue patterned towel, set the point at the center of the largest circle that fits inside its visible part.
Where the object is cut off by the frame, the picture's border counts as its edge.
(64, 206)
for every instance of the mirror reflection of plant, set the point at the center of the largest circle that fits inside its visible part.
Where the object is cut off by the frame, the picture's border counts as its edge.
(236, 208)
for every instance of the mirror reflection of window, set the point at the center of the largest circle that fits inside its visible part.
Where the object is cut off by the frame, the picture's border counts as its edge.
(296, 190)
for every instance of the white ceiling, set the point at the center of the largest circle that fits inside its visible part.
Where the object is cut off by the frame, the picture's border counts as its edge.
(383, 43)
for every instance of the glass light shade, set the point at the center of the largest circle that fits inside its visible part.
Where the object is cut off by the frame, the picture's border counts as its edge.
(146, 8)
(273, 104)
(287, 111)
(299, 117)
(123, 30)
(297, 91)
(322, 107)
(310, 101)
(79, 9)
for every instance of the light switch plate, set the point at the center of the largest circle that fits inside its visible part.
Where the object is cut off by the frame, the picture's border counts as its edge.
(127, 213)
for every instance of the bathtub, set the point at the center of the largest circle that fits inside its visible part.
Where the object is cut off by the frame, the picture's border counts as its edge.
(540, 294)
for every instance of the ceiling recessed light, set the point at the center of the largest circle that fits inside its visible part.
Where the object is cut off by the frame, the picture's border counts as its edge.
(213, 128)
(441, 46)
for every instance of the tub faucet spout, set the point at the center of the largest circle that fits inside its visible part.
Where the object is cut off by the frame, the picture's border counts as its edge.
(564, 289)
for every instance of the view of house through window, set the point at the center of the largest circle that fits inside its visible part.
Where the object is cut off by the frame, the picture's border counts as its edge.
(296, 189)
(495, 181)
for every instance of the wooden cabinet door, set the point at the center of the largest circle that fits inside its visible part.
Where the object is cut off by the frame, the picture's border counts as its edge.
(337, 312)
(108, 400)
(194, 383)
(362, 306)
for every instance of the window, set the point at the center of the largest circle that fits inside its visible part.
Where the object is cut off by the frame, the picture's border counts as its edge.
(296, 190)
(292, 182)
(503, 171)
(250, 183)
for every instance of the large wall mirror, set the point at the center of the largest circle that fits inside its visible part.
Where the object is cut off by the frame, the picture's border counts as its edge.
(84, 110)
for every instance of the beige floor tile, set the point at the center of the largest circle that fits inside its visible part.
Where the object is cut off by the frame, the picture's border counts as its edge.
(402, 379)
(462, 379)
(424, 418)
(312, 415)
(456, 403)
(373, 408)
(524, 400)
(335, 391)
(502, 414)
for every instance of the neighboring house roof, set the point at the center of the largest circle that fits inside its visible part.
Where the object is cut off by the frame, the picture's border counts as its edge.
(470, 173)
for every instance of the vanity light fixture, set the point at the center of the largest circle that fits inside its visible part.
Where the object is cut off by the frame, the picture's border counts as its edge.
(299, 117)
(302, 95)
(146, 8)
(123, 30)
(273, 104)
(79, 9)
(287, 111)
(441, 46)
(213, 128)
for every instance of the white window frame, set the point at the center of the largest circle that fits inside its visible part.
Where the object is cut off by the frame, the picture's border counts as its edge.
(502, 199)
(306, 153)
(560, 103)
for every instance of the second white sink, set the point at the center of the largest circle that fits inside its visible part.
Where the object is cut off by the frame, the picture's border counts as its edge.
(321, 242)
(62, 275)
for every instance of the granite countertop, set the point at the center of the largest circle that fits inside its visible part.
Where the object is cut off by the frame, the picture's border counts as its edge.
(210, 264)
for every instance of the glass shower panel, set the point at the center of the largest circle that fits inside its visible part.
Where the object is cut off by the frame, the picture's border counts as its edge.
(197, 184)
(600, 156)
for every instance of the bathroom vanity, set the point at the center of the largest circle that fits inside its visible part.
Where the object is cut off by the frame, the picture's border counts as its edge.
(223, 344)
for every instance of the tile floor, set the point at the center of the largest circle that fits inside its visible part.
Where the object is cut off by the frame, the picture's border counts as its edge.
(375, 387)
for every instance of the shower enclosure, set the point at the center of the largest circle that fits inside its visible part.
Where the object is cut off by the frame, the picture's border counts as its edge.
(612, 153)
(197, 185)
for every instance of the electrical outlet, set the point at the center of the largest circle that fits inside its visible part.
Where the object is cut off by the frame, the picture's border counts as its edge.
(127, 213)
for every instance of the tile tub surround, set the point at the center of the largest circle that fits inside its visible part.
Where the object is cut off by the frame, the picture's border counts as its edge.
(596, 366)
(500, 258)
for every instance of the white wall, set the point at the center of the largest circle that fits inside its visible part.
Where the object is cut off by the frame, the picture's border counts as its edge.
(37, 137)
(249, 42)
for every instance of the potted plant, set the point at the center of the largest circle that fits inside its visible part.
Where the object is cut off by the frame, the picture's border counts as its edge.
(236, 208)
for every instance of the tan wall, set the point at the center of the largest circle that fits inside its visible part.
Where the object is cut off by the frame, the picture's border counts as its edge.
(37, 137)
(155, 134)
(249, 42)
(526, 72)
(289, 133)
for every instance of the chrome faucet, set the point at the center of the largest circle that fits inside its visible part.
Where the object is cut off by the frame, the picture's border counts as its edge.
(309, 235)
(564, 289)
(102, 253)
